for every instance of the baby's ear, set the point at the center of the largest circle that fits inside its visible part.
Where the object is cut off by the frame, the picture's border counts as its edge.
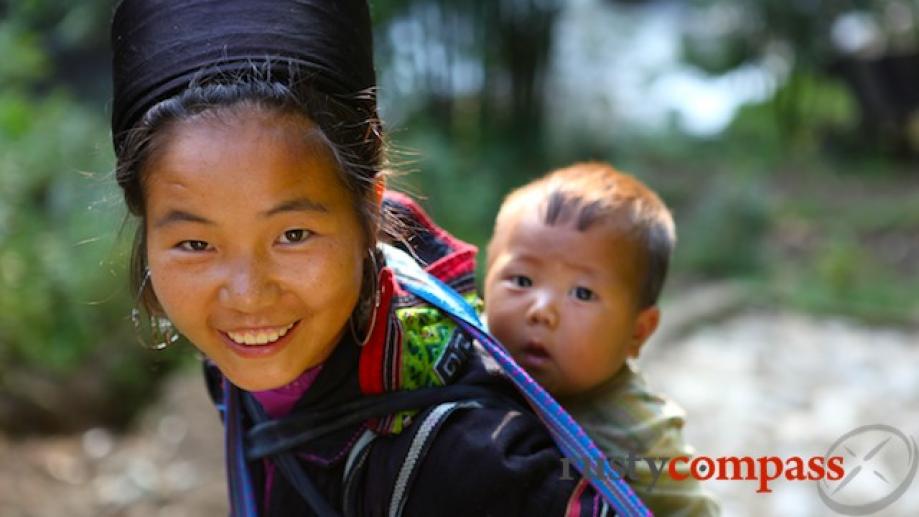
(645, 324)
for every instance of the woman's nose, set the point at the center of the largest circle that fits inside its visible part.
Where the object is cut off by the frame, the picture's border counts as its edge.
(542, 310)
(249, 286)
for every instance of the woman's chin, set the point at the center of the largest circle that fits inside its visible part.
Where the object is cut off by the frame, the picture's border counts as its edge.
(263, 382)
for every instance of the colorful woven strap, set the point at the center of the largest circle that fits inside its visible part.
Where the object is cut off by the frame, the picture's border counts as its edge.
(570, 437)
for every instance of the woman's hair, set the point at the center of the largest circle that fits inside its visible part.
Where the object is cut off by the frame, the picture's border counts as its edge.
(349, 127)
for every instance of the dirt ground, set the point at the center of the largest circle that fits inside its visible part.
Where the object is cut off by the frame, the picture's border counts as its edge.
(169, 464)
(754, 382)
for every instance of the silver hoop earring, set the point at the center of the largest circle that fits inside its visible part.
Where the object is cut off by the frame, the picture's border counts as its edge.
(373, 307)
(162, 332)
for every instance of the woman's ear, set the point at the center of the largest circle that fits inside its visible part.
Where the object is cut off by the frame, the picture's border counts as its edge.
(645, 324)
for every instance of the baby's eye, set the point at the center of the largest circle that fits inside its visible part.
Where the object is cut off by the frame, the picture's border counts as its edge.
(521, 281)
(294, 236)
(193, 245)
(583, 294)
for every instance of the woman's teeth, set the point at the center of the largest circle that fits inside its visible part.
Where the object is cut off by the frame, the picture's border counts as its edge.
(262, 337)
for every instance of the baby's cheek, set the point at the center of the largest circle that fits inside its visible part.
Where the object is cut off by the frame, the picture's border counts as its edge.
(513, 350)
(498, 327)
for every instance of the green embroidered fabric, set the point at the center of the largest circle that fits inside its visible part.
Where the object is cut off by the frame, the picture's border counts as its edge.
(433, 349)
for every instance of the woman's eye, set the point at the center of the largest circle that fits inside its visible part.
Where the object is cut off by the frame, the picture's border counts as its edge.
(521, 281)
(583, 294)
(193, 245)
(294, 236)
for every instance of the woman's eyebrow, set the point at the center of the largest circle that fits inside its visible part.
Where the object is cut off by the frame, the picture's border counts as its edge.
(175, 216)
(300, 204)
(292, 205)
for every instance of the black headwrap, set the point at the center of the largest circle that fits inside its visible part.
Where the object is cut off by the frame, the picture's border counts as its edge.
(160, 46)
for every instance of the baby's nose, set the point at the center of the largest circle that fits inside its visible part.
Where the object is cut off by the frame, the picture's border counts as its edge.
(543, 310)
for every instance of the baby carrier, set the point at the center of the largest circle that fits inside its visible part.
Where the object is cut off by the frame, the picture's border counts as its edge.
(276, 439)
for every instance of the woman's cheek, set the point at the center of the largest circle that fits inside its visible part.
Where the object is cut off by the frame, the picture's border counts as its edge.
(169, 290)
(179, 286)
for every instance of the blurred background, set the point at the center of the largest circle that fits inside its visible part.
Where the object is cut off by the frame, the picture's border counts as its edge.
(783, 134)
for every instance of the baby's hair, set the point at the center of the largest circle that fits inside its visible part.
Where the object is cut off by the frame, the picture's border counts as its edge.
(586, 193)
(349, 127)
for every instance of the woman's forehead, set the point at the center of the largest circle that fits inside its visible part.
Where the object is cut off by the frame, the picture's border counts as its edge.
(244, 120)
(245, 136)
(247, 160)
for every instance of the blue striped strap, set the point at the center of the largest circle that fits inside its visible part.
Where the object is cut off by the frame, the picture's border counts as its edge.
(239, 480)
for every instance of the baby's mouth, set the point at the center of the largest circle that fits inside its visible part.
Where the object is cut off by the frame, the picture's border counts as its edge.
(533, 355)
(536, 350)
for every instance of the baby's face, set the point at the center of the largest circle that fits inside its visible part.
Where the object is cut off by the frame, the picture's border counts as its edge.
(562, 300)
(254, 246)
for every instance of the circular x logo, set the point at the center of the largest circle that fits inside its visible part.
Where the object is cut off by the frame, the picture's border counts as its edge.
(863, 449)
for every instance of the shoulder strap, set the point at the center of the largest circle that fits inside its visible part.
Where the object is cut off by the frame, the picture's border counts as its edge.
(425, 432)
(239, 480)
(272, 436)
(357, 458)
(291, 469)
(570, 437)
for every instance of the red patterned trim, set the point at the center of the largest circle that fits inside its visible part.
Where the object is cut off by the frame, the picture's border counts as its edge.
(370, 365)
(454, 265)
(574, 502)
(460, 249)
(380, 363)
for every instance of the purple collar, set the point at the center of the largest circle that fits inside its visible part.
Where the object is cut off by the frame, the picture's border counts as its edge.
(279, 401)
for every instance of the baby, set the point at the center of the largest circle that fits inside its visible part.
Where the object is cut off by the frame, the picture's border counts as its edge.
(574, 270)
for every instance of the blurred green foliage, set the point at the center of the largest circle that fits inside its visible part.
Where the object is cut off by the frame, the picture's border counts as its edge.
(46, 205)
(63, 303)
(24, 61)
(725, 232)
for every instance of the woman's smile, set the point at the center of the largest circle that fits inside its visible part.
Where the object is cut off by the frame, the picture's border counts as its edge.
(260, 343)
(259, 336)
